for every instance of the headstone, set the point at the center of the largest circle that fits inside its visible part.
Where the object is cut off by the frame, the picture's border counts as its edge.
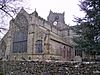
(78, 58)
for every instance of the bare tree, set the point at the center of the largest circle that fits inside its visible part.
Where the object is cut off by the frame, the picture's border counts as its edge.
(8, 8)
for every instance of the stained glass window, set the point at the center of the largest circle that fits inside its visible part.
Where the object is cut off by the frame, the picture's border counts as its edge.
(19, 42)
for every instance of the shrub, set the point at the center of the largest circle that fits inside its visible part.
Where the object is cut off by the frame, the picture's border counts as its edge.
(1, 73)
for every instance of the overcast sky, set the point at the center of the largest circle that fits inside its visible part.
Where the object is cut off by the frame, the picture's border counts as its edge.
(70, 7)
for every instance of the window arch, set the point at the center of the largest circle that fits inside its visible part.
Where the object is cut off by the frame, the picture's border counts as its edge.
(19, 42)
(39, 46)
(22, 22)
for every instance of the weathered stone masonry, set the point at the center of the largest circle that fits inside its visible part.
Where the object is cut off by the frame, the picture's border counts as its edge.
(30, 37)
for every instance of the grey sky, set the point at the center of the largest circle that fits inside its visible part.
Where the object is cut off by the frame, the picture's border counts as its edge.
(70, 7)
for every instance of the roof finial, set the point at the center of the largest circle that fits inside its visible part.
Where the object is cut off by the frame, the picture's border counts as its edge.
(36, 14)
(35, 9)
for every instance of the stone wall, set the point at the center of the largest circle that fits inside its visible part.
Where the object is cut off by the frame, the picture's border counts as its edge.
(51, 68)
(1, 66)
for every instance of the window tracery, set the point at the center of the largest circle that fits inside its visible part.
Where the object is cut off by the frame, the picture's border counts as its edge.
(19, 42)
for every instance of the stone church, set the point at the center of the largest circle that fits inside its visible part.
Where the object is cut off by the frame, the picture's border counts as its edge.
(31, 37)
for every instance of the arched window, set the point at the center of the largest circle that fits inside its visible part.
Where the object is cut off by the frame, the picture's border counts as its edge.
(19, 42)
(39, 46)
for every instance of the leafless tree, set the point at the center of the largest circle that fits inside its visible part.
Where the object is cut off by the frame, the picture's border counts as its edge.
(8, 8)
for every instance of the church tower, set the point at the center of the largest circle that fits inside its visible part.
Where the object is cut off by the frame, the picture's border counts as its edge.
(57, 20)
(56, 17)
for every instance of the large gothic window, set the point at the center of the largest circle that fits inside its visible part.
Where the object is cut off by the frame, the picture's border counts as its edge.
(19, 42)
(39, 46)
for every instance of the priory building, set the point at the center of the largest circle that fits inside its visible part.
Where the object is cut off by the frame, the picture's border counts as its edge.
(31, 37)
